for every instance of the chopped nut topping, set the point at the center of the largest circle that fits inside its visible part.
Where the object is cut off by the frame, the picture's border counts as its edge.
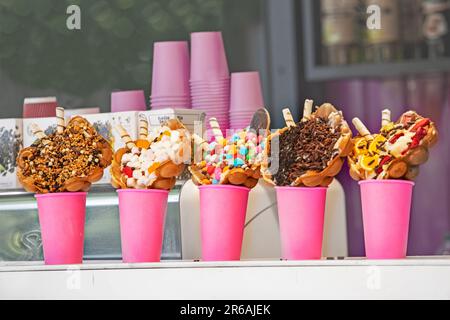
(65, 156)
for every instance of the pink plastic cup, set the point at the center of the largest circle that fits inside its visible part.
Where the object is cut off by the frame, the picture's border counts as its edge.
(211, 97)
(208, 86)
(174, 99)
(170, 103)
(241, 115)
(170, 75)
(208, 58)
(142, 216)
(210, 108)
(61, 217)
(170, 106)
(244, 119)
(246, 91)
(222, 104)
(161, 107)
(243, 122)
(223, 97)
(209, 90)
(133, 100)
(217, 82)
(212, 112)
(386, 206)
(222, 218)
(301, 213)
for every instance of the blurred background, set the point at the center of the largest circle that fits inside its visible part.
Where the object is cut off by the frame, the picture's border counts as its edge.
(321, 50)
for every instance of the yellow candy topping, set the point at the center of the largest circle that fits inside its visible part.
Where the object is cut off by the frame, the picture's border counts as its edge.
(153, 167)
(369, 163)
(361, 147)
(143, 144)
(376, 144)
(388, 127)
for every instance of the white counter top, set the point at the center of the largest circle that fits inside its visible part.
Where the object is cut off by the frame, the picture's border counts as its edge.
(414, 278)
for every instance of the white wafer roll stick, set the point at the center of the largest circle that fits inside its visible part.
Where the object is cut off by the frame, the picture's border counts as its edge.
(215, 127)
(60, 122)
(125, 136)
(288, 117)
(307, 109)
(143, 126)
(385, 117)
(362, 129)
(199, 141)
(38, 133)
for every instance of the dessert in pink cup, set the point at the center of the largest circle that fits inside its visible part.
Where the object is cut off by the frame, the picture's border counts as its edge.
(384, 164)
(226, 171)
(60, 168)
(145, 171)
(301, 161)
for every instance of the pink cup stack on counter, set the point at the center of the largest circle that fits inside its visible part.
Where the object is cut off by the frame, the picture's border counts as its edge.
(210, 77)
(246, 98)
(170, 78)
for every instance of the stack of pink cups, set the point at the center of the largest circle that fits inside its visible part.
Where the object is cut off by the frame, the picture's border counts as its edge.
(170, 78)
(210, 77)
(246, 98)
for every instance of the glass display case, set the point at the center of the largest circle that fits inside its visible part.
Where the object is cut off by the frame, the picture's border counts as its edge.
(20, 236)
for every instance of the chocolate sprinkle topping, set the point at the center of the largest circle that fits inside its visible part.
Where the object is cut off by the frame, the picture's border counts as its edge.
(307, 146)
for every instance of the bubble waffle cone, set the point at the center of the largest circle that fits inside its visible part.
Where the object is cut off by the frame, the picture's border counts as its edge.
(165, 173)
(311, 177)
(247, 177)
(235, 160)
(396, 152)
(68, 160)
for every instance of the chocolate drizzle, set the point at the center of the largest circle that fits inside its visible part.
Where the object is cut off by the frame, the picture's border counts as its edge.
(307, 146)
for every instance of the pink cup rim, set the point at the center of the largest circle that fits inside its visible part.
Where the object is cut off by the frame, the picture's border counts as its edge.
(142, 190)
(299, 188)
(223, 186)
(386, 181)
(171, 42)
(244, 73)
(205, 32)
(59, 194)
(126, 92)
